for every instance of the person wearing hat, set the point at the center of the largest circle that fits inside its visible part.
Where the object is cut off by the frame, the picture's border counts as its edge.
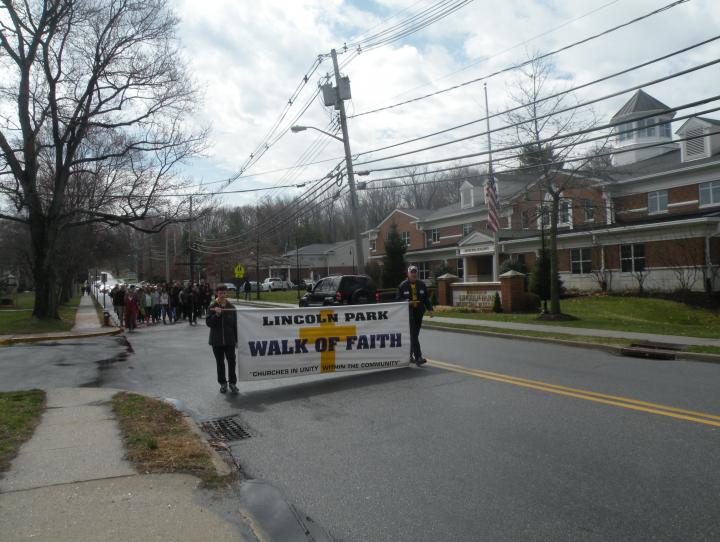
(222, 321)
(415, 293)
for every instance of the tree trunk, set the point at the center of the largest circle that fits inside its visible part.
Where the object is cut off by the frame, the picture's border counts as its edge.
(43, 240)
(554, 286)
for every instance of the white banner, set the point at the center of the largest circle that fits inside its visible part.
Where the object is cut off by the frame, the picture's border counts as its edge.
(276, 343)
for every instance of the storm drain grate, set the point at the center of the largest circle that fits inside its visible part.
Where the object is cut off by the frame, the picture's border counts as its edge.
(225, 429)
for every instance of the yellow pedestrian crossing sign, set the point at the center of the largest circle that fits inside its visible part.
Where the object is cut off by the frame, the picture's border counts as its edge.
(239, 271)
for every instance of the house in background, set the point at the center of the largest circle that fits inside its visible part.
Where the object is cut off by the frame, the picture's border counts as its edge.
(318, 260)
(652, 220)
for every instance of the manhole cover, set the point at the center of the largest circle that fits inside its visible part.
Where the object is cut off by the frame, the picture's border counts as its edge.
(225, 429)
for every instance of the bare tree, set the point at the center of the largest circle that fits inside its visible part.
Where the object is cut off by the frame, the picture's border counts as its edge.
(548, 131)
(99, 96)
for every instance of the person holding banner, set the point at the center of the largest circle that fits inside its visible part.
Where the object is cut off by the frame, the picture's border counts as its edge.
(415, 293)
(222, 321)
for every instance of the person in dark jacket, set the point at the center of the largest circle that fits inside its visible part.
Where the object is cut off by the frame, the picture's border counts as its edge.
(222, 321)
(248, 289)
(416, 294)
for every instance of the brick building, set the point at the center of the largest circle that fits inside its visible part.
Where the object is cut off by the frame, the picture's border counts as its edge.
(653, 218)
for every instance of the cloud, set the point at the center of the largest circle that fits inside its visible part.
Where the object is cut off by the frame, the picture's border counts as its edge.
(248, 57)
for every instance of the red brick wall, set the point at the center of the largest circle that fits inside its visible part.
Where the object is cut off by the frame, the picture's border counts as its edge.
(679, 194)
(578, 195)
(403, 224)
(670, 253)
(455, 231)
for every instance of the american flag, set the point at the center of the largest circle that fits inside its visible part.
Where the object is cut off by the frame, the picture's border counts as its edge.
(491, 203)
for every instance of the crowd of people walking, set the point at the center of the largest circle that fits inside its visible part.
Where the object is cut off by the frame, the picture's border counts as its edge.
(150, 305)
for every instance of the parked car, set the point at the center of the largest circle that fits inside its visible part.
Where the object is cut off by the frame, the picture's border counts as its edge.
(271, 284)
(307, 283)
(341, 290)
(254, 286)
(230, 286)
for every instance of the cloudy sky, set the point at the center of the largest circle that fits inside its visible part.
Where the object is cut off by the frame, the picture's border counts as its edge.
(247, 59)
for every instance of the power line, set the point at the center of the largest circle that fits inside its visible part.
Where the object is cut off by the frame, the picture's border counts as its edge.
(508, 49)
(563, 136)
(552, 96)
(525, 63)
(566, 160)
(551, 114)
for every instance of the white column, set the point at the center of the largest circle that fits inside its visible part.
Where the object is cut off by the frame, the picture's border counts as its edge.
(465, 268)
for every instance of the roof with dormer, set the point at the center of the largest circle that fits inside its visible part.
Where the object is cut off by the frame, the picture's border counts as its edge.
(639, 105)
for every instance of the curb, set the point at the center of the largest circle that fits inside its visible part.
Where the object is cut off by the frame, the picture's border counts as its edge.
(688, 356)
(38, 338)
(221, 465)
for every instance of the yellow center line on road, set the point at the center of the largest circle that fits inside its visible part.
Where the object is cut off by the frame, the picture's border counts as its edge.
(613, 400)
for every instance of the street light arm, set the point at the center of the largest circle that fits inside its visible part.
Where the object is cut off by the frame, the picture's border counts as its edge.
(298, 128)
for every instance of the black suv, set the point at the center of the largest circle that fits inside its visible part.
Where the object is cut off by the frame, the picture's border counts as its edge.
(341, 290)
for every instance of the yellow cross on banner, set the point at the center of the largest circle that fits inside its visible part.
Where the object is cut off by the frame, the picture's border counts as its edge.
(326, 330)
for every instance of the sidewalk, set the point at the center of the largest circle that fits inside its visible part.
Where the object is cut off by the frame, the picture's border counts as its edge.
(86, 318)
(70, 482)
(545, 328)
(673, 339)
(86, 325)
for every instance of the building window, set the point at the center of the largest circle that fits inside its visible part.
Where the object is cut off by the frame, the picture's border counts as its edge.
(565, 212)
(372, 245)
(589, 206)
(405, 236)
(625, 131)
(466, 198)
(646, 127)
(461, 268)
(423, 270)
(665, 130)
(580, 261)
(632, 258)
(710, 193)
(433, 235)
(657, 201)
(525, 220)
(467, 229)
(543, 213)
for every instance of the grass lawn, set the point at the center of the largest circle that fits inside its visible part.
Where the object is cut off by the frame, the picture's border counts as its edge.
(158, 439)
(525, 333)
(23, 321)
(20, 413)
(278, 296)
(639, 314)
(24, 300)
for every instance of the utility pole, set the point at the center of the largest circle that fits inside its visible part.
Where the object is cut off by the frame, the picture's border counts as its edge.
(340, 105)
(257, 254)
(496, 256)
(257, 265)
(190, 247)
(167, 257)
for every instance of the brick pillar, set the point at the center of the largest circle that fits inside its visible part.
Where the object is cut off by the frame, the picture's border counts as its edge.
(445, 296)
(512, 291)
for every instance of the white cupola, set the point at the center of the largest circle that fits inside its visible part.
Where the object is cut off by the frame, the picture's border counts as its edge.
(642, 121)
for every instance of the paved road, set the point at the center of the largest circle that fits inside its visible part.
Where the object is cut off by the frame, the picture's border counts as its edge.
(437, 454)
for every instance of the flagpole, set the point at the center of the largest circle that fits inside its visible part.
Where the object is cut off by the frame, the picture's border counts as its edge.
(492, 177)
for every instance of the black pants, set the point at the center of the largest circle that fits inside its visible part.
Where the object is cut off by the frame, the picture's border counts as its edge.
(222, 352)
(416, 318)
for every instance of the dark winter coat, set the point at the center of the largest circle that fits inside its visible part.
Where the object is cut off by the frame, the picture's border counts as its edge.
(223, 327)
(403, 293)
